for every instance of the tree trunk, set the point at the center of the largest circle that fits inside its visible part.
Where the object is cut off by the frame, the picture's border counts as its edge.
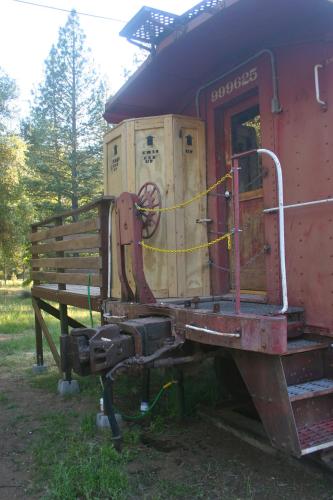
(75, 201)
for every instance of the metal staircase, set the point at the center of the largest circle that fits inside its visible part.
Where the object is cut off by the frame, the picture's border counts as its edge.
(293, 393)
(308, 369)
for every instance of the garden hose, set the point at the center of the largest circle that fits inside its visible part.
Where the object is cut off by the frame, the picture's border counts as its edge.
(89, 301)
(152, 405)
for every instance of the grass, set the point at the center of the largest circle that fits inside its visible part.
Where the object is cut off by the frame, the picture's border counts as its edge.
(17, 320)
(4, 398)
(78, 463)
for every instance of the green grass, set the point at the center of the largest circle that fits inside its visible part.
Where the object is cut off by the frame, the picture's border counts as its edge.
(77, 462)
(174, 489)
(4, 398)
(17, 321)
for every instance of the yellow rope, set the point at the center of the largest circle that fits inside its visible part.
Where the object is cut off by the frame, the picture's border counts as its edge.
(226, 236)
(185, 203)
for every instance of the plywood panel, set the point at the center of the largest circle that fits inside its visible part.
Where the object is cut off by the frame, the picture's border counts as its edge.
(190, 163)
(179, 173)
(116, 178)
(151, 164)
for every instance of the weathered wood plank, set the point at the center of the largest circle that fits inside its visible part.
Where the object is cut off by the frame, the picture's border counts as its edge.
(71, 213)
(83, 226)
(65, 297)
(86, 243)
(68, 262)
(47, 334)
(67, 278)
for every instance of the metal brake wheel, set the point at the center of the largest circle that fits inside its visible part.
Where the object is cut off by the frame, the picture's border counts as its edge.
(150, 197)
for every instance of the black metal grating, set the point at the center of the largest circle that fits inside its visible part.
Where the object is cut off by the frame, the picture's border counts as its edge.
(310, 389)
(316, 437)
(149, 26)
(301, 343)
(205, 6)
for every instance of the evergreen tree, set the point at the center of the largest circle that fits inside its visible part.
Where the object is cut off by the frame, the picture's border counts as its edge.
(65, 128)
(15, 208)
(8, 93)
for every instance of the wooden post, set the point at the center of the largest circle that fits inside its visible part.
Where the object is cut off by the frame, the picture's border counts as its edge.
(38, 330)
(63, 313)
(103, 209)
(104, 214)
(46, 332)
(39, 343)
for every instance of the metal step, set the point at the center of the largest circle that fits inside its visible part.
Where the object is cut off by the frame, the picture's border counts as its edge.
(318, 436)
(303, 345)
(311, 389)
(295, 329)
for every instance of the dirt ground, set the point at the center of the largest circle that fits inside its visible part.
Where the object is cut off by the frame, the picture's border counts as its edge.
(187, 460)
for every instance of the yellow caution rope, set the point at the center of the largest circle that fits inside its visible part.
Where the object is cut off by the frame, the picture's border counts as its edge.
(188, 202)
(226, 236)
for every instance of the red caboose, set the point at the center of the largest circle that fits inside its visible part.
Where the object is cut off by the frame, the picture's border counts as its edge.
(259, 74)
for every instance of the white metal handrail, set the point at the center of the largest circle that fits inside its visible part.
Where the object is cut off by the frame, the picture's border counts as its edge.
(300, 205)
(317, 84)
(282, 244)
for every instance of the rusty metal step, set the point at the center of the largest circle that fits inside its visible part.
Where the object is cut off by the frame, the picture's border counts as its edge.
(303, 345)
(315, 437)
(295, 329)
(304, 361)
(310, 389)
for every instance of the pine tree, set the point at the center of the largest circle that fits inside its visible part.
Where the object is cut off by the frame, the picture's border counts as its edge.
(8, 93)
(15, 208)
(65, 127)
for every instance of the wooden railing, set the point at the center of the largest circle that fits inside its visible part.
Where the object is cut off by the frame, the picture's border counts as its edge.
(70, 252)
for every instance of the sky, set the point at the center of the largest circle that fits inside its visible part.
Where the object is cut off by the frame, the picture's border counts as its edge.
(27, 33)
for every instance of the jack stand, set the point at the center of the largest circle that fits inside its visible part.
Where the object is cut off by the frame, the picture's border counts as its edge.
(68, 387)
(144, 405)
(102, 420)
(39, 369)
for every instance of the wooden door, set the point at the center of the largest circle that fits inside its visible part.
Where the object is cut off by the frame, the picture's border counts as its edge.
(242, 133)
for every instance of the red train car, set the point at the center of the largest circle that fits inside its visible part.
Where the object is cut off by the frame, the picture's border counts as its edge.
(259, 73)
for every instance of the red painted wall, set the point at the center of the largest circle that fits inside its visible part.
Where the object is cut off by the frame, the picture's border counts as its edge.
(300, 136)
(304, 133)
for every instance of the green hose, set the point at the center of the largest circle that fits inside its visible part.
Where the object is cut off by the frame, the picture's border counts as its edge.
(152, 405)
(89, 302)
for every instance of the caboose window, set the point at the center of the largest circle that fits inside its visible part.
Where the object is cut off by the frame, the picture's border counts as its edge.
(246, 135)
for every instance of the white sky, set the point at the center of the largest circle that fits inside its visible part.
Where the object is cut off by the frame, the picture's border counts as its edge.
(28, 32)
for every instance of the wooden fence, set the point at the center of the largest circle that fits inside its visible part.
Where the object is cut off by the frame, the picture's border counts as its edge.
(70, 255)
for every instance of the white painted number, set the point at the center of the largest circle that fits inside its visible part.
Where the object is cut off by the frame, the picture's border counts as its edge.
(240, 81)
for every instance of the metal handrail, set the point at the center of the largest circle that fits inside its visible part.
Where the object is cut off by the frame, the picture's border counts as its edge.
(317, 85)
(235, 172)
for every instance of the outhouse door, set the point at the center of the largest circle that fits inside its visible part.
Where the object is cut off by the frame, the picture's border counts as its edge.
(242, 130)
